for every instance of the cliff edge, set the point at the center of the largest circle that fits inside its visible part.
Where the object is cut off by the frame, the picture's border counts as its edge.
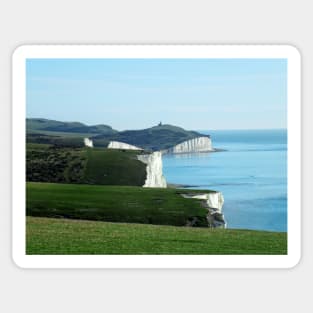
(213, 201)
(199, 144)
(154, 171)
(88, 142)
(122, 146)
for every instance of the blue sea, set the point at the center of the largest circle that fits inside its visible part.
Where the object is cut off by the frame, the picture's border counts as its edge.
(251, 174)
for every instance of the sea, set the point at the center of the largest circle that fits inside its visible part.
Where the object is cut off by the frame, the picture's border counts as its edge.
(251, 173)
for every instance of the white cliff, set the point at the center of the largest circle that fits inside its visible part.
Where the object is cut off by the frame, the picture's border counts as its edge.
(88, 142)
(122, 145)
(199, 144)
(155, 176)
(213, 201)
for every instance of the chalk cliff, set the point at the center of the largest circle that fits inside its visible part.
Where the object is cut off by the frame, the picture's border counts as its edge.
(155, 176)
(199, 144)
(213, 201)
(88, 142)
(122, 145)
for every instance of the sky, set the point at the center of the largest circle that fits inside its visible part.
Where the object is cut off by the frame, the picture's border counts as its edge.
(196, 94)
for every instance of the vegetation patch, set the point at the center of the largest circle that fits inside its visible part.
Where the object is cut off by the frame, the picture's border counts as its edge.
(46, 163)
(60, 236)
(155, 138)
(51, 163)
(46, 125)
(127, 204)
(56, 140)
(114, 167)
(158, 137)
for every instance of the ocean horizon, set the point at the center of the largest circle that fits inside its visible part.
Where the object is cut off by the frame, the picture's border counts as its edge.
(251, 173)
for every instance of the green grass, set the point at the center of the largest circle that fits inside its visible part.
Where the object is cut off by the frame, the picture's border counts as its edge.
(114, 167)
(37, 146)
(127, 204)
(60, 134)
(62, 236)
(56, 139)
(48, 163)
(65, 128)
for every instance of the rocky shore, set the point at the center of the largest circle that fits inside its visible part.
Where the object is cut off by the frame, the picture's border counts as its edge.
(213, 202)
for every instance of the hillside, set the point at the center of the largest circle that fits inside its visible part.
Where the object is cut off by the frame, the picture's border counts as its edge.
(125, 204)
(45, 126)
(62, 236)
(48, 163)
(158, 137)
(155, 138)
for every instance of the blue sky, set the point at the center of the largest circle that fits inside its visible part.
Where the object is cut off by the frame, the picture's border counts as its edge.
(138, 93)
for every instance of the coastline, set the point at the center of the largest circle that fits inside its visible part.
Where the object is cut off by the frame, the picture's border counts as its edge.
(251, 176)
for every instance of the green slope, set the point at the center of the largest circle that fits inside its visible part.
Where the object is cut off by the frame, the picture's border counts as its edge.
(126, 204)
(114, 167)
(46, 125)
(155, 138)
(61, 236)
(68, 140)
(48, 163)
(72, 133)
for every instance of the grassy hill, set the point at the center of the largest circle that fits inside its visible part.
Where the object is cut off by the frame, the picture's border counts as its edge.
(61, 236)
(72, 133)
(50, 163)
(114, 167)
(41, 125)
(155, 138)
(127, 204)
(46, 163)
(68, 140)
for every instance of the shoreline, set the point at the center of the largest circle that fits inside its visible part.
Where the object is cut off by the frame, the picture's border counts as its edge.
(177, 186)
(164, 152)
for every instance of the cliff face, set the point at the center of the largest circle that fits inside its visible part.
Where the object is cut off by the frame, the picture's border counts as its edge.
(155, 176)
(88, 142)
(213, 201)
(199, 144)
(122, 145)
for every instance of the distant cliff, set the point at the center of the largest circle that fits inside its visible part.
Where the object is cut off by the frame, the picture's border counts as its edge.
(155, 138)
(199, 144)
(88, 143)
(154, 171)
(213, 201)
(122, 145)
(153, 162)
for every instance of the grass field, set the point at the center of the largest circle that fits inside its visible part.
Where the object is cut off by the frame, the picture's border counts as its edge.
(127, 204)
(62, 236)
(60, 134)
(114, 167)
(47, 163)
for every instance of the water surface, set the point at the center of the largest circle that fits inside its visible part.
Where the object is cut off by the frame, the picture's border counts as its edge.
(251, 174)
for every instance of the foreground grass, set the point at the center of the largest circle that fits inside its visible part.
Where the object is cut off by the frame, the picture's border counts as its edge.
(126, 204)
(62, 236)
